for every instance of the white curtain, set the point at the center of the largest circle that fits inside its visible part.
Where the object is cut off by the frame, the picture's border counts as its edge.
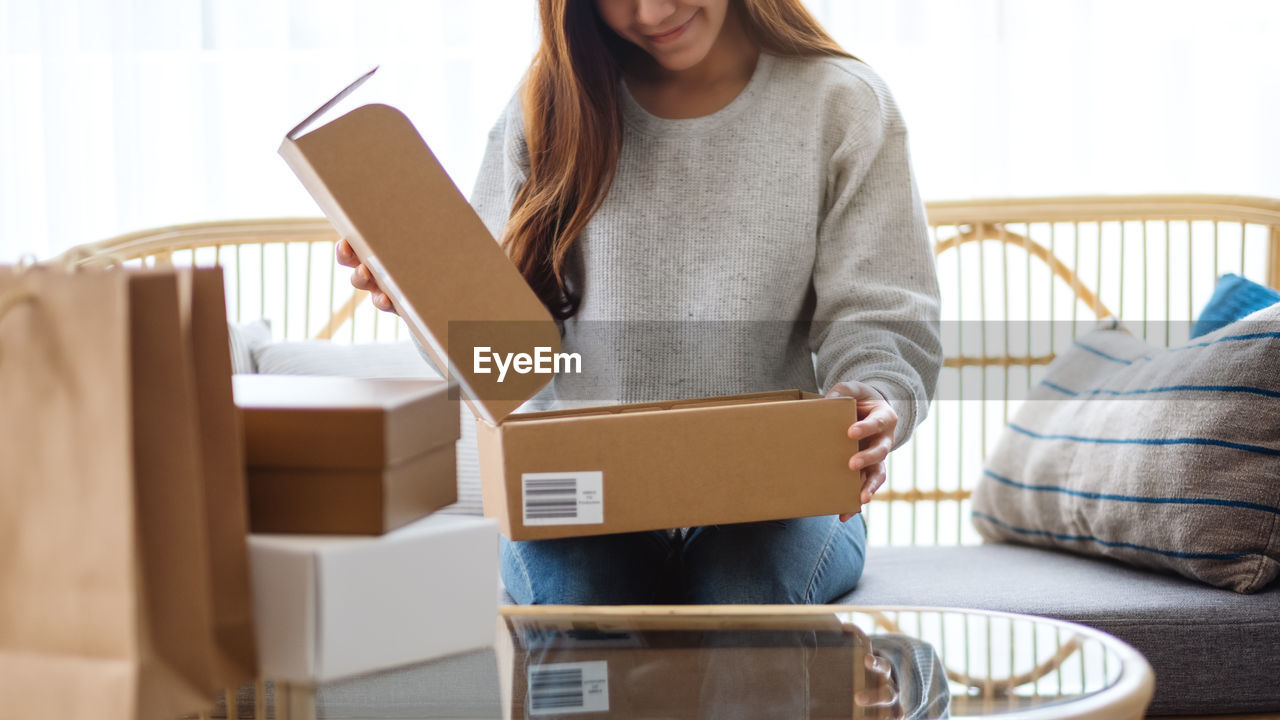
(117, 115)
(1048, 97)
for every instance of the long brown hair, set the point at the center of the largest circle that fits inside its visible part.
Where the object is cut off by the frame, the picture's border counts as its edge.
(573, 128)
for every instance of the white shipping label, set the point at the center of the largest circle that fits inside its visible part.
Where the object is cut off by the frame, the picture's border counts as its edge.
(565, 498)
(563, 688)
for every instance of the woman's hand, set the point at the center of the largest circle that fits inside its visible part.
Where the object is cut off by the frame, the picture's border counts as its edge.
(879, 696)
(362, 279)
(876, 423)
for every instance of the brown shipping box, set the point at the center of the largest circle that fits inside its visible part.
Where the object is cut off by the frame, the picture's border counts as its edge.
(763, 456)
(571, 667)
(346, 456)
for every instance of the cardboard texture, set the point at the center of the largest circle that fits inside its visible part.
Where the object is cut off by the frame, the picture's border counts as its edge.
(587, 472)
(344, 455)
(573, 668)
(356, 502)
(107, 608)
(331, 423)
(333, 607)
(385, 192)
(721, 460)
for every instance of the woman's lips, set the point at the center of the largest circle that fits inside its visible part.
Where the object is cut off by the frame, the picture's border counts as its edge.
(672, 35)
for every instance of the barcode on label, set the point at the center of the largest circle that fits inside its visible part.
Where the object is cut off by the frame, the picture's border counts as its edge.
(569, 498)
(563, 688)
(551, 498)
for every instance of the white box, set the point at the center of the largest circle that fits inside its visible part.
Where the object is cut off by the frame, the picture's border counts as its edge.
(328, 607)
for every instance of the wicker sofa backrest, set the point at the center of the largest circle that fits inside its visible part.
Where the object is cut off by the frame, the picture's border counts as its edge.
(1019, 277)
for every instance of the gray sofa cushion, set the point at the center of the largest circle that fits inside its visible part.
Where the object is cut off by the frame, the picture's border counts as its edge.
(1213, 650)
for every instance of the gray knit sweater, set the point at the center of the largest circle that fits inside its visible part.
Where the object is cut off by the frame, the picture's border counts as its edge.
(778, 243)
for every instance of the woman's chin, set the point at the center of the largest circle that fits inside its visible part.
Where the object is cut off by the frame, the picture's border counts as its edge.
(681, 60)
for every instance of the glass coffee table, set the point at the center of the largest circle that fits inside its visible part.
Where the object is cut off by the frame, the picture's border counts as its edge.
(749, 662)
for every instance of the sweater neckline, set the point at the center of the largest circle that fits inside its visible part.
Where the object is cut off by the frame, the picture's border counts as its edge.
(637, 117)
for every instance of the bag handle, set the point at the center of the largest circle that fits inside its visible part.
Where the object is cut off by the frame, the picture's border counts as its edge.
(18, 295)
(74, 261)
(78, 258)
(12, 299)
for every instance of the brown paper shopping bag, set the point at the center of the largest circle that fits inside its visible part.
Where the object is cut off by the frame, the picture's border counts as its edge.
(104, 559)
(204, 317)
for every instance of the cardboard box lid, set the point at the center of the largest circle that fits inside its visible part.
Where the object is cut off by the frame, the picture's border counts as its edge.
(384, 191)
(300, 421)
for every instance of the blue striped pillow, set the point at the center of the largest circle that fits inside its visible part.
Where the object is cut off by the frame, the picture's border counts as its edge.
(1164, 458)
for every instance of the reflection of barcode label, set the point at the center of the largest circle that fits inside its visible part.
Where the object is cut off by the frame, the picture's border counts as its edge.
(569, 498)
(555, 638)
(563, 688)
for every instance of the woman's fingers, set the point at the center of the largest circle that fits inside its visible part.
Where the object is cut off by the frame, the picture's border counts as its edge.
(346, 256)
(872, 478)
(381, 301)
(874, 453)
(880, 420)
(362, 279)
(875, 429)
(881, 475)
(881, 693)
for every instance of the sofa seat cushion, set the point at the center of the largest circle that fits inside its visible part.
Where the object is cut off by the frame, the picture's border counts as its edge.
(1213, 650)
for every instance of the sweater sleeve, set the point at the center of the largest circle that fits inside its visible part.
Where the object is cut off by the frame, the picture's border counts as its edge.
(876, 317)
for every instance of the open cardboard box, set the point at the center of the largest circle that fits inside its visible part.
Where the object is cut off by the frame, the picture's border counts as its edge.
(762, 456)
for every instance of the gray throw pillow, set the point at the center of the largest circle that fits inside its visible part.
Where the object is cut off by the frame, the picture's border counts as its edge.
(361, 360)
(1163, 458)
(245, 339)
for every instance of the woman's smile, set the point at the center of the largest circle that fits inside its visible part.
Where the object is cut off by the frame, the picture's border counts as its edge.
(674, 34)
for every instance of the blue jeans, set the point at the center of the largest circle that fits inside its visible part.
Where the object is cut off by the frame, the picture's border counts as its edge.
(802, 561)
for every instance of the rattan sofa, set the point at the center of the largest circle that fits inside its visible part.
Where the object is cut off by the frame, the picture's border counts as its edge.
(1020, 278)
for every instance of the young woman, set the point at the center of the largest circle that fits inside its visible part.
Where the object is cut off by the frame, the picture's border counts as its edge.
(713, 198)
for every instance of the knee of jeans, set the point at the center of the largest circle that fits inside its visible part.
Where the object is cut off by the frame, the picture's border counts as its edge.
(846, 557)
(762, 589)
(581, 571)
(811, 560)
(734, 566)
(515, 576)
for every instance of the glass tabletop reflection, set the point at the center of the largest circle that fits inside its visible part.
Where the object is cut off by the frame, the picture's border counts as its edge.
(812, 662)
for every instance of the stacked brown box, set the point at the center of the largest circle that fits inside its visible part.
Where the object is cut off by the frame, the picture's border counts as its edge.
(337, 455)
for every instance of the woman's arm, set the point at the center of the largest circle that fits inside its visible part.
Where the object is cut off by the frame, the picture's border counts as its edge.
(874, 277)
